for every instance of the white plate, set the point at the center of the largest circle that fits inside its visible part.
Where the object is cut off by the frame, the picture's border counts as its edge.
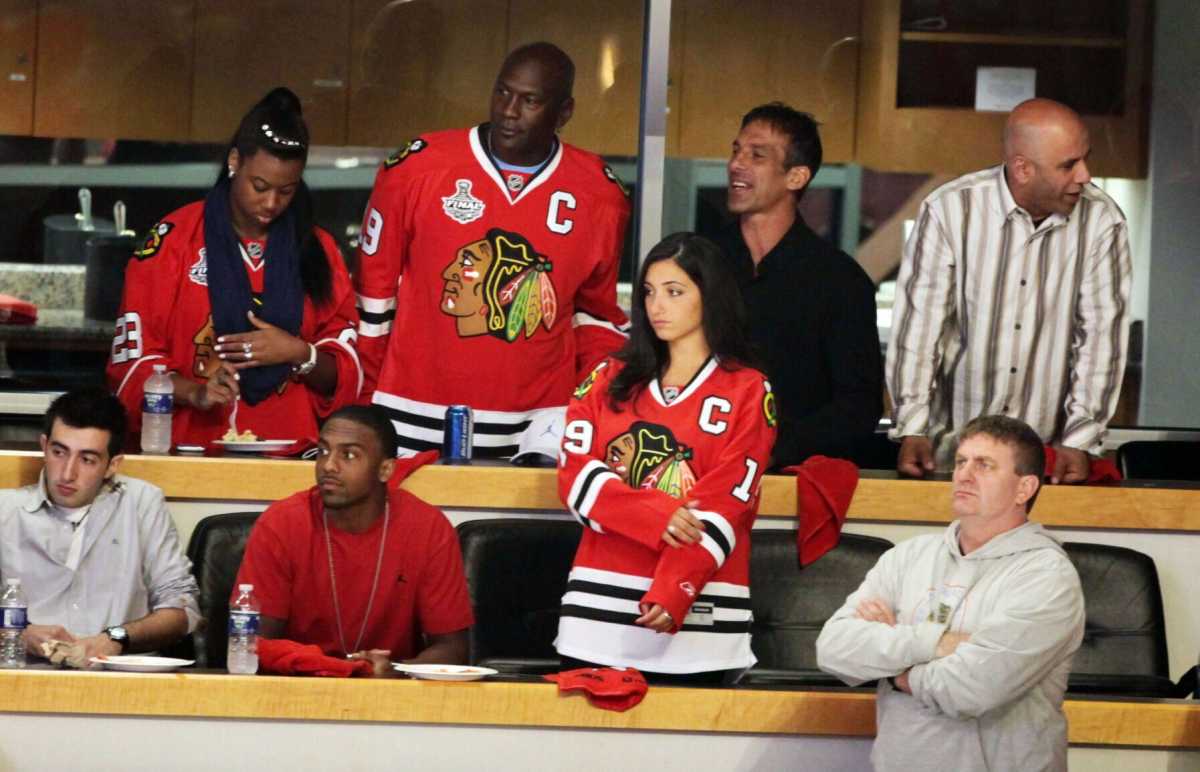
(137, 664)
(259, 446)
(445, 672)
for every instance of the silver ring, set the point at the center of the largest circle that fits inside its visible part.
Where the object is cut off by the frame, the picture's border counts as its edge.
(667, 614)
(671, 529)
(246, 347)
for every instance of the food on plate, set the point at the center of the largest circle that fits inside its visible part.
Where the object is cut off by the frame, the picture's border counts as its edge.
(232, 435)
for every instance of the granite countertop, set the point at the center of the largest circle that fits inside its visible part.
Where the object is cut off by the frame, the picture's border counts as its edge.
(57, 291)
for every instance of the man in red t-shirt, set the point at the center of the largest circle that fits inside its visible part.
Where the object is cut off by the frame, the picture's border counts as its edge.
(355, 569)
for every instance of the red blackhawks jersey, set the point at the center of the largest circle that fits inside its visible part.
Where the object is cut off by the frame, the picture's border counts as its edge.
(487, 289)
(622, 474)
(166, 318)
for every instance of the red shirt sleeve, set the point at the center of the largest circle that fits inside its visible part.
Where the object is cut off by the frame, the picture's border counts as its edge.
(143, 327)
(590, 489)
(337, 333)
(382, 253)
(601, 327)
(443, 605)
(266, 565)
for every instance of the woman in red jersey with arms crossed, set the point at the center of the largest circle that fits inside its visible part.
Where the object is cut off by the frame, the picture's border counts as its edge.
(663, 453)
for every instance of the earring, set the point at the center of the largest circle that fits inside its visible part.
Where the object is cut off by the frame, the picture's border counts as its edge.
(231, 172)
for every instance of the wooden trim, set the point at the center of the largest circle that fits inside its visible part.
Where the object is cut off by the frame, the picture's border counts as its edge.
(1012, 40)
(1159, 724)
(506, 487)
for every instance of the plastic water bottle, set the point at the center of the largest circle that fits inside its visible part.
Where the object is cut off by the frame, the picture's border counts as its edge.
(13, 619)
(158, 402)
(242, 655)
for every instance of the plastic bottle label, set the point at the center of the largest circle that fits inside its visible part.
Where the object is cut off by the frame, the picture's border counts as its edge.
(242, 623)
(13, 619)
(157, 403)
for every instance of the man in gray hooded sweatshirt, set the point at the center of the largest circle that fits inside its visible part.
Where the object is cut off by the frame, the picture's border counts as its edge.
(970, 632)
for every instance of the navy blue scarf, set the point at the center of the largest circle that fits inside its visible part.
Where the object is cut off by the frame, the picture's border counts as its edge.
(229, 286)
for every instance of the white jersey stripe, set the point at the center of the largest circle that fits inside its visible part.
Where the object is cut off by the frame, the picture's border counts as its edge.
(376, 305)
(368, 330)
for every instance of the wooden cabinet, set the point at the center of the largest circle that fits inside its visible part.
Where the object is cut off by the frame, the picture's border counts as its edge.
(919, 59)
(736, 54)
(245, 49)
(18, 47)
(604, 39)
(114, 68)
(422, 65)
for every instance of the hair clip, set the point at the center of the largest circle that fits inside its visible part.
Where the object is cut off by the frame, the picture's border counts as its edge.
(280, 140)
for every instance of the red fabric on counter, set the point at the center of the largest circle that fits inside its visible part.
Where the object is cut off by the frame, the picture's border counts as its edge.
(824, 488)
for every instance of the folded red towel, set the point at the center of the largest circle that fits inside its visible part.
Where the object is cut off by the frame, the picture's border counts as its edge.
(406, 466)
(824, 488)
(284, 657)
(1100, 469)
(610, 688)
(16, 311)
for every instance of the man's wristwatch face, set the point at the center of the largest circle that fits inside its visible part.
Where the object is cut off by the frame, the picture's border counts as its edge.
(119, 636)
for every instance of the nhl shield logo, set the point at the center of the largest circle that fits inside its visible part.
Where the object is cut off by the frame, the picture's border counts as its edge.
(515, 182)
(198, 273)
(462, 207)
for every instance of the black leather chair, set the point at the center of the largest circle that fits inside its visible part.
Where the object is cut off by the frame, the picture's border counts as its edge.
(215, 550)
(1124, 648)
(792, 604)
(1159, 460)
(516, 574)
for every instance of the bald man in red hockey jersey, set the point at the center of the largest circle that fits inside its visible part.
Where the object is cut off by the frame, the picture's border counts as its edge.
(488, 265)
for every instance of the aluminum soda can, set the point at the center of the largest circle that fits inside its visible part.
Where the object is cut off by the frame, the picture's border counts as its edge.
(458, 442)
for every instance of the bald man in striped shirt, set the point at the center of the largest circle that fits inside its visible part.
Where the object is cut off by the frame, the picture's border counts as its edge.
(1013, 298)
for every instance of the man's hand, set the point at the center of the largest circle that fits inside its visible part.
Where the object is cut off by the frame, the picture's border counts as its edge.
(1071, 465)
(35, 635)
(876, 611)
(901, 682)
(684, 528)
(380, 659)
(916, 456)
(99, 645)
(948, 643)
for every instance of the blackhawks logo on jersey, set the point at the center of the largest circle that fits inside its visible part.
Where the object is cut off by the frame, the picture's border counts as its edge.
(770, 412)
(499, 286)
(647, 456)
(416, 146)
(583, 388)
(153, 241)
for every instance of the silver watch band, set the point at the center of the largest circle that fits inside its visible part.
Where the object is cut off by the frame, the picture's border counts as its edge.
(306, 367)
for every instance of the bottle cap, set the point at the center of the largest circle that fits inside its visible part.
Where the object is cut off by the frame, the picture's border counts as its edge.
(12, 581)
(160, 368)
(245, 587)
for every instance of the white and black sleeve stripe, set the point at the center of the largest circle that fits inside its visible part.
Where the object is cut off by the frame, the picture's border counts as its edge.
(718, 536)
(585, 490)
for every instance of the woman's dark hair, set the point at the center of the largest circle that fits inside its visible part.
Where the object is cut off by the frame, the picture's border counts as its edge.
(276, 125)
(723, 317)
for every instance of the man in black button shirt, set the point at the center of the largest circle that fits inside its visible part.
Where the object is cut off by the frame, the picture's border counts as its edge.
(811, 308)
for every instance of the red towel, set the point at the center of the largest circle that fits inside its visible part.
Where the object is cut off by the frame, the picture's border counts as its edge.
(406, 466)
(17, 311)
(610, 688)
(284, 657)
(824, 488)
(1099, 470)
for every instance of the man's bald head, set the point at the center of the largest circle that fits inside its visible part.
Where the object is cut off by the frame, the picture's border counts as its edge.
(558, 69)
(1046, 146)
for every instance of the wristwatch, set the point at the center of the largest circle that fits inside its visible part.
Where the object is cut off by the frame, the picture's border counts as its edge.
(119, 635)
(306, 367)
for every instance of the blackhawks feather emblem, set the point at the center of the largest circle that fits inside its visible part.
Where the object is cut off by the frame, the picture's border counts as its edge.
(416, 146)
(153, 241)
(583, 388)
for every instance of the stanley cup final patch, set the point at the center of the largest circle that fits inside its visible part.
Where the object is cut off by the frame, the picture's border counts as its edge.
(462, 207)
